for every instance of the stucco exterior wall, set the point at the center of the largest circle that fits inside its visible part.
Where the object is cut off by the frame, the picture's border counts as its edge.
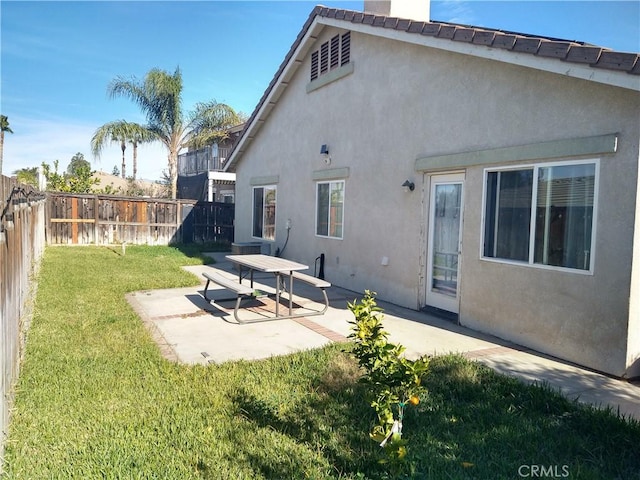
(404, 101)
(633, 340)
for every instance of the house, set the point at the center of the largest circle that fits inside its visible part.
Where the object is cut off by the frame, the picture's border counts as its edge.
(200, 175)
(489, 174)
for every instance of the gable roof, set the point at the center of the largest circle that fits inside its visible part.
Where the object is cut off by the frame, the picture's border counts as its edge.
(567, 57)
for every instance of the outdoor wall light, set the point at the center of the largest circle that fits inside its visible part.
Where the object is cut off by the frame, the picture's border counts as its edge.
(324, 151)
(408, 186)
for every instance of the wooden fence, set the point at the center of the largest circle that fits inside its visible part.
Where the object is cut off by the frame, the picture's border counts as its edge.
(107, 219)
(22, 240)
(29, 219)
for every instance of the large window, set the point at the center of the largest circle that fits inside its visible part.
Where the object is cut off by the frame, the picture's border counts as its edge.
(330, 209)
(264, 212)
(542, 214)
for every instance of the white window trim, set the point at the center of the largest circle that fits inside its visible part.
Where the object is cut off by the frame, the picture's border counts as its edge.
(253, 190)
(344, 197)
(534, 201)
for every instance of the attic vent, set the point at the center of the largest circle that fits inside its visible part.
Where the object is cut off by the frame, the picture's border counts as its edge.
(335, 51)
(314, 65)
(324, 58)
(346, 48)
(332, 54)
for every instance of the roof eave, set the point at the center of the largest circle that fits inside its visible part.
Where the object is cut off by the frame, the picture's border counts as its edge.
(407, 31)
(278, 85)
(576, 70)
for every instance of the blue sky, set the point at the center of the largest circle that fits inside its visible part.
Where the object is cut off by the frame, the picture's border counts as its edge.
(57, 58)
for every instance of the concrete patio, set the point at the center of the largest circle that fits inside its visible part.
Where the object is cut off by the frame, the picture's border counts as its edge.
(190, 330)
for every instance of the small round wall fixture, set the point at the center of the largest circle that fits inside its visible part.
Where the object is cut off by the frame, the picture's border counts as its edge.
(408, 186)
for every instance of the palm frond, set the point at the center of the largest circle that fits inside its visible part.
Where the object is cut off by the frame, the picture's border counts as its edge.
(210, 123)
(120, 131)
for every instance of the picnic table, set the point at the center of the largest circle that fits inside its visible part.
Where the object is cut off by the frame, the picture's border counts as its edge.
(266, 263)
(281, 268)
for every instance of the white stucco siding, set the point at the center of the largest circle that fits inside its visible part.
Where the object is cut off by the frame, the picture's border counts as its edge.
(405, 101)
(633, 341)
(288, 145)
(581, 318)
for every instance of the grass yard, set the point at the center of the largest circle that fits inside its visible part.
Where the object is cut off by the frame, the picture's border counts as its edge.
(96, 400)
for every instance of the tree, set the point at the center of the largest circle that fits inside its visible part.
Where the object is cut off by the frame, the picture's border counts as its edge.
(159, 96)
(123, 132)
(81, 181)
(55, 181)
(28, 176)
(77, 162)
(137, 136)
(4, 127)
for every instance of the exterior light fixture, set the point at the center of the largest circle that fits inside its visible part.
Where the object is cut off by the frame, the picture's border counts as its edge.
(324, 151)
(408, 186)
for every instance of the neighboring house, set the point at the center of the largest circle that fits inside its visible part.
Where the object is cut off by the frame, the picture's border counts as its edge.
(489, 174)
(200, 175)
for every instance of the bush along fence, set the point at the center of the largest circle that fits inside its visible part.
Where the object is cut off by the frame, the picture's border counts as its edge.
(107, 219)
(22, 241)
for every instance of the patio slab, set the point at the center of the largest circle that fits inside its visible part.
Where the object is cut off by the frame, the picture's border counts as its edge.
(190, 330)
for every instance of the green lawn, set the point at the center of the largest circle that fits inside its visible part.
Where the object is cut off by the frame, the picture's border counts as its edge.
(96, 400)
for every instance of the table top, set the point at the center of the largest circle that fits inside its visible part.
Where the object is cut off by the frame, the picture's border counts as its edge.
(266, 263)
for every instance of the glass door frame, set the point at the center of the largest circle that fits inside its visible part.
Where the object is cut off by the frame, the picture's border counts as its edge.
(441, 301)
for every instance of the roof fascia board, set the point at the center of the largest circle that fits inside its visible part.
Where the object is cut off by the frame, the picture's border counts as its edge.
(278, 87)
(222, 176)
(584, 72)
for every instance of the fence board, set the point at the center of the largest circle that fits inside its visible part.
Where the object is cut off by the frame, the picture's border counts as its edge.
(109, 219)
(22, 240)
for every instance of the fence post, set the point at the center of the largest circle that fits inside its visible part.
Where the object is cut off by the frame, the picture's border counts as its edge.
(96, 219)
(187, 223)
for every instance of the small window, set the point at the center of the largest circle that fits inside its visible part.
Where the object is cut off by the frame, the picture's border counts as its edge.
(330, 209)
(264, 212)
(541, 215)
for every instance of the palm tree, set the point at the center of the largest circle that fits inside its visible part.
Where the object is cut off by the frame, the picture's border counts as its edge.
(28, 176)
(4, 127)
(159, 96)
(137, 136)
(121, 131)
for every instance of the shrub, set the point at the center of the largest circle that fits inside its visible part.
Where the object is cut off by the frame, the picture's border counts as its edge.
(394, 381)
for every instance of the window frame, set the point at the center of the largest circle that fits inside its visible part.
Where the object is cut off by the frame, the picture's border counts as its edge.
(253, 211)
(532, 221)
(330, 183)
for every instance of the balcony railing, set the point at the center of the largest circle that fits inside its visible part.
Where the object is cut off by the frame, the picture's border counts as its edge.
(202, 160)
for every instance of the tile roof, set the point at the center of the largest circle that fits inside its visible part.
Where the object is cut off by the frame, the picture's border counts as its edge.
(567, 50)
(571, 51)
